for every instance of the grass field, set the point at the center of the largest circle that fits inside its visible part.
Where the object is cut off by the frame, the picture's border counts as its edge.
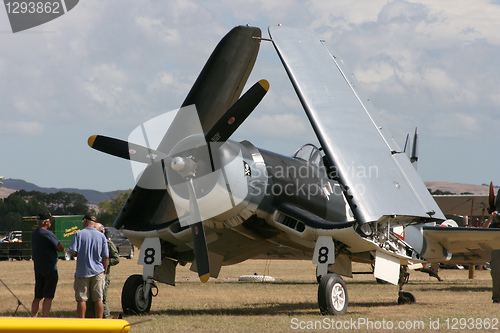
(289, 304)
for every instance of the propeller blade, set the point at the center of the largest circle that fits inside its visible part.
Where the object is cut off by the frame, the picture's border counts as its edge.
(218, 86)
(126, 150)
(201, 251)
(199, 241)
(237, 113)
(491, 199)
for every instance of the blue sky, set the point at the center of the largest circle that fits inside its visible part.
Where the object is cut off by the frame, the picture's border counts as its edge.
(107, 66)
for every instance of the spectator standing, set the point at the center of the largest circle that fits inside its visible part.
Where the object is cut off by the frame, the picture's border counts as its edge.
(91, 249)
(495, 261)
(45, 246)
(114, 259)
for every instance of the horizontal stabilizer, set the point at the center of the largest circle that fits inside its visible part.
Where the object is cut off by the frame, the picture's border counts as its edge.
(467, 245)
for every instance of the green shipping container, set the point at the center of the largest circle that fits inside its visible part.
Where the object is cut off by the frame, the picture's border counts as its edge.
(64, 227)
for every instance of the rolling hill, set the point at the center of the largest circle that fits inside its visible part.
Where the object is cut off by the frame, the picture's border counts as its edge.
(11, 185)
(95, 197)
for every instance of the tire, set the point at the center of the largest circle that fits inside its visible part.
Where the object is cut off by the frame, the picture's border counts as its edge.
(332, 295)
(406, 298)
(133, 300)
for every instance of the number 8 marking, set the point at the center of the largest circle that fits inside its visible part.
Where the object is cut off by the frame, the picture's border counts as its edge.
(149, 256)
(323, 255)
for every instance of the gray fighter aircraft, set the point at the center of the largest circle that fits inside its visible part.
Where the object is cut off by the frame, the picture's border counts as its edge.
(205, 199)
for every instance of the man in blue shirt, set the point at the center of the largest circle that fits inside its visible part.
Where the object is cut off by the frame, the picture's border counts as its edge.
(45, 246)
(91, 249)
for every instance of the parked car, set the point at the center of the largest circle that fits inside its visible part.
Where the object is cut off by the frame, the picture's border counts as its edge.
(11, 246)
(124, 246)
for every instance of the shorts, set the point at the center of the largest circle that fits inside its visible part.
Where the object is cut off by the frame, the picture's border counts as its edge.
(90, 285)
(45, 284)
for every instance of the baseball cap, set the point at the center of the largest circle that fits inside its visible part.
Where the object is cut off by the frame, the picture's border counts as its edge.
(89, 217)
(43, 216)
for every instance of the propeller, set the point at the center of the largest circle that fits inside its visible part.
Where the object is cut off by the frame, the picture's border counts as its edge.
(187, 166)
(126, 150)
(237, 113)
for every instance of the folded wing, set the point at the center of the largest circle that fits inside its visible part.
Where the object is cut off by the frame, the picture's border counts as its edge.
(377, 176)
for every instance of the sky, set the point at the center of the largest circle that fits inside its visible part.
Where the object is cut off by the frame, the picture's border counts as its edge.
(105, 67)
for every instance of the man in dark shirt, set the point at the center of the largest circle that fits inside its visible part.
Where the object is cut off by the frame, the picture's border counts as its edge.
(45, 246)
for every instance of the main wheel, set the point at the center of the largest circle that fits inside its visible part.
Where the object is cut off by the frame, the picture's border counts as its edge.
(134, 301)
(332, 295)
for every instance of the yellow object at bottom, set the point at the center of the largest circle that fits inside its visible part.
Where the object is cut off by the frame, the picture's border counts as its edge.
(17, 324)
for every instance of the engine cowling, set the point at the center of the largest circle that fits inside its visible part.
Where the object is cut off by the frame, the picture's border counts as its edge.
(229, 186)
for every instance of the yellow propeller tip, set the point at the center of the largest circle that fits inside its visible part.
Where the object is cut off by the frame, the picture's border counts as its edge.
(204, 278)
(265, 84)
(91, 140)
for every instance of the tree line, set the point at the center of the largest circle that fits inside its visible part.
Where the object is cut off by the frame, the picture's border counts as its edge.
(30, 203)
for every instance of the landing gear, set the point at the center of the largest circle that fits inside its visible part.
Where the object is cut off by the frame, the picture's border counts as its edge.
(136, 295)
(332, 295)
(404, 297)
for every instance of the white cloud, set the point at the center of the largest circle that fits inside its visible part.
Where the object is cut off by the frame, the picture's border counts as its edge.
(279, 125)
(463, 20)
(344, 14)
(20, 128)
(455, 125)
(105, 85)
(162, 82)
(114, 64)
(156, 29)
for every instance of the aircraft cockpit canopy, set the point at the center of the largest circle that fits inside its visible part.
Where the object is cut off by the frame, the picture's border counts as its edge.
(309, 153)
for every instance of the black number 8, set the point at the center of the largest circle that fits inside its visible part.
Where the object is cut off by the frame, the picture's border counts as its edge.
(323, 254)
(149, 256)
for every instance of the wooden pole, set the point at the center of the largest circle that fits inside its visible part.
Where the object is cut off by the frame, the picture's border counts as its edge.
(472, 271)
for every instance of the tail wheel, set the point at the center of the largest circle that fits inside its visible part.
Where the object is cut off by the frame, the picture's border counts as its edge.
(406, 298)
(332, 295)
(134, 301)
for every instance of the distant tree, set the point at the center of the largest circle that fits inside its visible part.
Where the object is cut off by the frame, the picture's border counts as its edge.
(109, 209)
(15, 203)
(29, 203)
(12, 221)
(439, 192)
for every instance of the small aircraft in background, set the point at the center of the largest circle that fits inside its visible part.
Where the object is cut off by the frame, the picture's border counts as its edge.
(210, 201)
